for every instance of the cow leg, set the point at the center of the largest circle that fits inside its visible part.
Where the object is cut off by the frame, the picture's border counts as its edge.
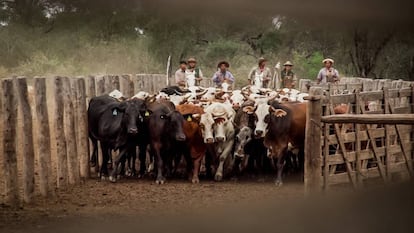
(142, 159)
(105, 158)
(94, 156)
(159, 162)
(210, 161)
(280, 164)
(132, 156)
(196, 168)
(223, 157)
(120, 158)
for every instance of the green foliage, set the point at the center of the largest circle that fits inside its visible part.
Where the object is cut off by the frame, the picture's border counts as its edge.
(307, 66)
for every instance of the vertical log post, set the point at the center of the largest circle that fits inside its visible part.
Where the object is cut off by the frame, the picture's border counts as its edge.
(127, 86)
(70, 135)
(313, 158)
(115, 82)
(27, 139)
(82, 128)
(100, 85)
(9, 112)
(62, 163)
(42, 137)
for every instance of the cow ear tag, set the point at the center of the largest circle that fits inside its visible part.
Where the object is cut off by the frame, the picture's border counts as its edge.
(189, 118)
(147, 113)
(115, 112)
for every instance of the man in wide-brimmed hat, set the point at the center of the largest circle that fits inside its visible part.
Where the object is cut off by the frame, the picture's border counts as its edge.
(287, 76)
(328, 73)
(223, 75)
(180, 75)
(193, 74)
(260, 75)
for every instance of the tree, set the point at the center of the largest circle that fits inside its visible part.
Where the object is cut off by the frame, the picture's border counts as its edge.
(367, 49)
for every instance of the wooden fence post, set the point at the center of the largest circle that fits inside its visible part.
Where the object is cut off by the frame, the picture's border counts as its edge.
(9, 112)
(70, 135)
(82, 128)
(127, 85)
(313, 158)
(100, 85)
(91, 91)
(42, 137)
(27, 139)
(59, 130)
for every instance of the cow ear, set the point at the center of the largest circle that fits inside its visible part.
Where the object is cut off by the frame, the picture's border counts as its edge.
(196, 116)
(248, 109)
(122, 106)
(277, 112)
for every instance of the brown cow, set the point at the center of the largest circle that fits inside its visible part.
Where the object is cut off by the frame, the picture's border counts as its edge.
(280, 124)
(194, 138)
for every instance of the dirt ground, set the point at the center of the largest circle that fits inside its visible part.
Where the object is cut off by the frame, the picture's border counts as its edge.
(133, 197)
(245, 206)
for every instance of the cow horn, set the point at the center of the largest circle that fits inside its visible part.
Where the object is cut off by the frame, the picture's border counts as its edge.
(202, 93)
(277, 112)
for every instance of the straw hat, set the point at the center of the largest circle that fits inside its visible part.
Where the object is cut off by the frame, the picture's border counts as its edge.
(328, 60)
(192, 59)
(223, 62)
(262, 59)
(288, 63)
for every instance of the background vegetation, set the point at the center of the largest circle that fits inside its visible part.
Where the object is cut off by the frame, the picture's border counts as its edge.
(80, 37)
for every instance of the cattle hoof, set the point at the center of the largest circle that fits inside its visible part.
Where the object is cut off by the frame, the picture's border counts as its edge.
(118, 177)
(112, 179)
(278, 183)
(218, 177)
(128, 173)
(195, 181)
(160, 181)
(103, 178)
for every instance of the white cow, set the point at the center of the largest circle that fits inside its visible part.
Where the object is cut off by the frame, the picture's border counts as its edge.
(218, 133)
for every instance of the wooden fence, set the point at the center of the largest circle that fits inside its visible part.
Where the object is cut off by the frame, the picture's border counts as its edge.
(44, 141)
(377, 141)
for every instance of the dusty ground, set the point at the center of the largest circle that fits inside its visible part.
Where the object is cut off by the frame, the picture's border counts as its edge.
(133, 197)
(246, 206)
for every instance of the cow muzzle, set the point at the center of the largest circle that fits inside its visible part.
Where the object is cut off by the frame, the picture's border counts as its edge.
(133, 130)
(209, 140)
(180, 137)
(258, 133)
(220, 139)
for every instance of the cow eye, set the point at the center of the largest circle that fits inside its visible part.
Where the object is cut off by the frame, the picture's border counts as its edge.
(267, 119)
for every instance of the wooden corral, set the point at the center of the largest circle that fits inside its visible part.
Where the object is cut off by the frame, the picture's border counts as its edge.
(376, 141)
(44, 141)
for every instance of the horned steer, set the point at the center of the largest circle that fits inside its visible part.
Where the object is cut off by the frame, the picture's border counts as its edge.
(218, 133)
(280, 124)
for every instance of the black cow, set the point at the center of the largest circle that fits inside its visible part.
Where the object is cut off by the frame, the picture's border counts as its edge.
(165, 126)
(116, 125)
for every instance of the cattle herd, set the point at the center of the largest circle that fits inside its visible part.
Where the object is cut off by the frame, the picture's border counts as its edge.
(225, 133)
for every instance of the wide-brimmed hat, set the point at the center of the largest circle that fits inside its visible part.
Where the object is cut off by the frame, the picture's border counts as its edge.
(262, 59)
(288, 63)
(328, 60)
(223, 62)
(192, 59)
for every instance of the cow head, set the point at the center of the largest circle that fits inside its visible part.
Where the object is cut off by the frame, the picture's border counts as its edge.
(209, 95)
(174, 123)
(132, 114)
(242, 138)
(214, 121)
(237, 99)
(206, 126)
